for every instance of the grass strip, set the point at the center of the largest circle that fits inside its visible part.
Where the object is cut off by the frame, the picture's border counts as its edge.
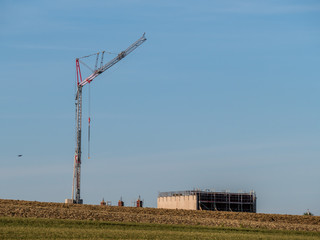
(37, 228)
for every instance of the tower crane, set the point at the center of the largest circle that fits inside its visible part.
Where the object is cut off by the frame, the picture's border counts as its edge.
(78, 102)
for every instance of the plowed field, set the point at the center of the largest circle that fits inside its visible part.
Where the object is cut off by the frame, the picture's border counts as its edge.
(29, 209)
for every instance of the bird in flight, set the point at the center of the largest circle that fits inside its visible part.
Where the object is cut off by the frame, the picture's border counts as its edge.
(20, 155)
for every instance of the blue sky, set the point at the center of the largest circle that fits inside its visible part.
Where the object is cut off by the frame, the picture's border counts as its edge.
(222, 95)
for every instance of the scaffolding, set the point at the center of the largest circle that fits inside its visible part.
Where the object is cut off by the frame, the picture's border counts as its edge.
(217, 201)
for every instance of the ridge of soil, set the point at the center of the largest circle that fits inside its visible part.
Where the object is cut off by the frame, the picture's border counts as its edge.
(33, 209)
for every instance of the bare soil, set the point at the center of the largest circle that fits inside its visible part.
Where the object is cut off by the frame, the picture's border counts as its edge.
(32, 209)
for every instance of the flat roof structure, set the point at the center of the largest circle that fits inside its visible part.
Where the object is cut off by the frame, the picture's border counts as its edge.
(208, 200)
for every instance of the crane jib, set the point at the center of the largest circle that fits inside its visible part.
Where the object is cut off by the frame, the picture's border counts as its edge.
(109, 64)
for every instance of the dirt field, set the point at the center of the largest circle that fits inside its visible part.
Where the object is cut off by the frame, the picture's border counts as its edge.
(28, 209)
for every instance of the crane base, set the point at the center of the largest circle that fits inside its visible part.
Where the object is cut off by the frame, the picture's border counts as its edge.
(69, 201)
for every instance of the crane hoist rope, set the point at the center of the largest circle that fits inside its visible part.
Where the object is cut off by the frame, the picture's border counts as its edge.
(78, 103)
(89, 118)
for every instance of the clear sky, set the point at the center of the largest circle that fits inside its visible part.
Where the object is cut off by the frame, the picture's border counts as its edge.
(222, 95)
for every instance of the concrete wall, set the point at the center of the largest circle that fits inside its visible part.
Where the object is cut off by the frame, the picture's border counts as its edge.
(178, 202)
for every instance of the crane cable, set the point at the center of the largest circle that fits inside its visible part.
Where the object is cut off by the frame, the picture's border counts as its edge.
(89, 89)
(89, 120)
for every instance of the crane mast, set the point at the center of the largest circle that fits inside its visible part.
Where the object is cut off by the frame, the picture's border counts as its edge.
(75, 198)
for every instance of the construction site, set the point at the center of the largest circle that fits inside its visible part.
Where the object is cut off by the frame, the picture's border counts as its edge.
(191, 200)
(160, 120)
(208, 200)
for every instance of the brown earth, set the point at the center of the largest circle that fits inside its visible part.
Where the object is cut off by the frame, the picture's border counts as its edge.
(29, 209)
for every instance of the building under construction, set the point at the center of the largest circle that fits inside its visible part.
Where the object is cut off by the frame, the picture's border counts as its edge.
(208, 200)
